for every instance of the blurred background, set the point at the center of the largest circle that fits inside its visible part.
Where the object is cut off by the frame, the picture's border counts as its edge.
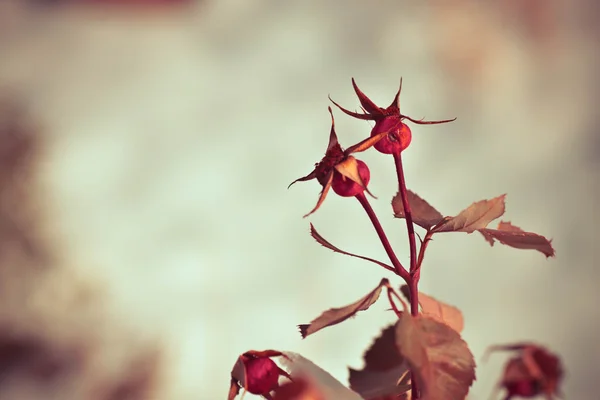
(147, 236)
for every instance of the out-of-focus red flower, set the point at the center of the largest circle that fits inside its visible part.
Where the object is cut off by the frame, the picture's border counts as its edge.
(534, 371)
(257, 373)
(339, 170)
(387, 120)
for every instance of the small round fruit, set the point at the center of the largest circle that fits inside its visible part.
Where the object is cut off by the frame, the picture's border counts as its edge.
(525, 388)
(397, 140)
(346, 187)
(262, 375)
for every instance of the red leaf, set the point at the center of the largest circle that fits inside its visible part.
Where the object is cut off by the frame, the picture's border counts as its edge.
(477, 216)
(423, 213)
(438, 310)
(334, 316)
(513, 236)
(385, 373)
(440, 360)
(322, 241)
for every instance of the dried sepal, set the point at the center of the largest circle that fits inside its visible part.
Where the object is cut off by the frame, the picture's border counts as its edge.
(397, 135)
(338, 169)
(323, 194)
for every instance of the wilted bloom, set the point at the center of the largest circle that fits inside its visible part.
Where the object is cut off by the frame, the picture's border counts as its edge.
(256, 373)
(338, 170)
(533, 372)
(387, 120)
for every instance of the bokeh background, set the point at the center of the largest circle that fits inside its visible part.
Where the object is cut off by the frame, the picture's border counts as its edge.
(148, 237)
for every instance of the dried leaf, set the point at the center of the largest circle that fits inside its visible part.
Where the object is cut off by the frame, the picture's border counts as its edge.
(513, 236)
(423, 213)
(334, 316)
(320, 380)
(438, 310)
(385, 373)
(298, 389)
(477, 216)
(322, 241)
(440, 360)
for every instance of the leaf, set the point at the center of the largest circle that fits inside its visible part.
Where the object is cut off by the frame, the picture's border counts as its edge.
(334, 316)
(299, 389)
(442, 364)
(320, 380)
(477, 216)
(322, 241)
(438, 310)
(385, 372)
(423, 213)
(513, 236)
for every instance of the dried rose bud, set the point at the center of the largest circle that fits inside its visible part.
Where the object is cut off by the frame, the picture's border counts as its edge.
(387, 120)
(262, 375)
(346, 187)
(534, 371)
(256, 373)
(339, 170)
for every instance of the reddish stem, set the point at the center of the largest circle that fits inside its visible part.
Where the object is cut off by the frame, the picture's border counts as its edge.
(389, 295)
(413, 282)
(426, 240)
(407, 212)
(400, 270)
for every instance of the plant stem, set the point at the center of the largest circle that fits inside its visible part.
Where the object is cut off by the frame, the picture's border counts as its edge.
(392, 304)
(407, 212)
(414, 266)
(417, 275)
(400, 270)
(412, 284)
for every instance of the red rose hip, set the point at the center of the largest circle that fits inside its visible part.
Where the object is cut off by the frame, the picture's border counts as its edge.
(397, 139)
(345, 186)
(262, 375)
